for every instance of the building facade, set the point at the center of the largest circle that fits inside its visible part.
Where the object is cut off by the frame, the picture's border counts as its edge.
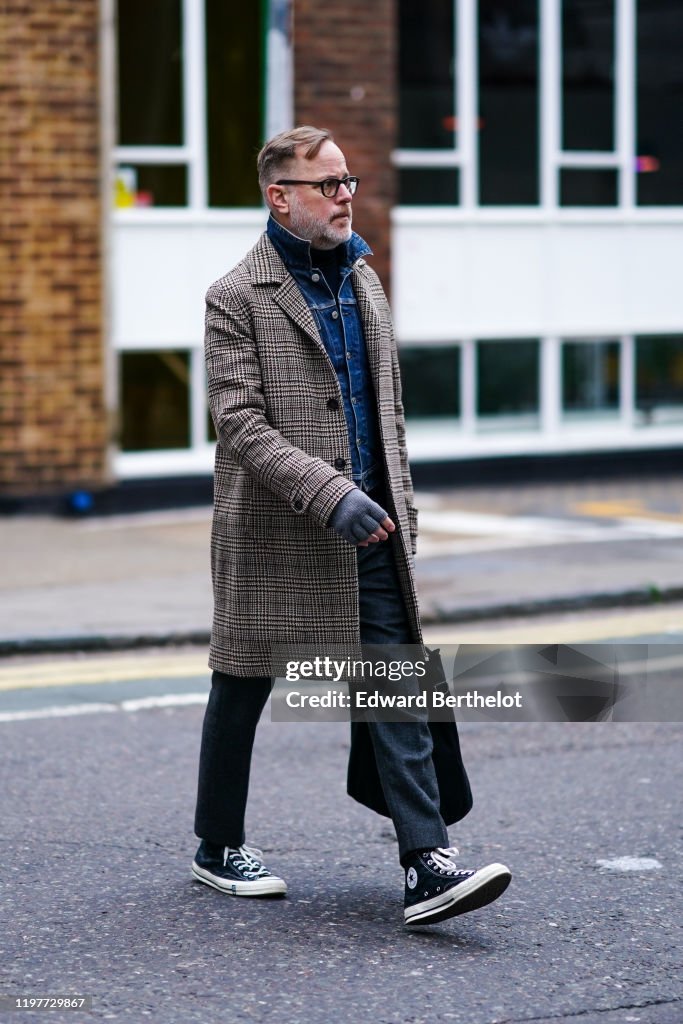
(54, 419)
(521, 170)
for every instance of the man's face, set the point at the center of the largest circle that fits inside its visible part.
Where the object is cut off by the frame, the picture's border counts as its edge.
(325, 223)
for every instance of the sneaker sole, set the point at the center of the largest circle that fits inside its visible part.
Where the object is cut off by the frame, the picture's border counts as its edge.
(262, 887)
(482, 888)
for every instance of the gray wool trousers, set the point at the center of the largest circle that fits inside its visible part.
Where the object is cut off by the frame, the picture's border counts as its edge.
(403, 750)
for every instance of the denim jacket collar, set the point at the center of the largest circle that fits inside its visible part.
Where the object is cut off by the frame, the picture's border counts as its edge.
(296, 252)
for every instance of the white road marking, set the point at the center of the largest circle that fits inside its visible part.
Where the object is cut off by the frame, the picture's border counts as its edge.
(449, 531)
(653, 527)
(630, 864)
(170, 700)
(489, 524)
(66, 711)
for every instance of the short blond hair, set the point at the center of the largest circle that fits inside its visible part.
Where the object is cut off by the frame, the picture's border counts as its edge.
(278, 151)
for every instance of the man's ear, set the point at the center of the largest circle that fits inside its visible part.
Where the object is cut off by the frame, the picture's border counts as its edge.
(276, 198)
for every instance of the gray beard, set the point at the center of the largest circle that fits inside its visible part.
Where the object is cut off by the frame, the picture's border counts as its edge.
(320, 234)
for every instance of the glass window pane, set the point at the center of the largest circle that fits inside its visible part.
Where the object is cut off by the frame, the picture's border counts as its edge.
(431, 380)
(508, 102)
(426, 74)
(659, 378)
(588, 74)
(155, 400)
(429, 186)
(508, 382)
(150, 73)
(660, 103)
(234, 97)
(590, 377)
(579, 187)
(150, 185)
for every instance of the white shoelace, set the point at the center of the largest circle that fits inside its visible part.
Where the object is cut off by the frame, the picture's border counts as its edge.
(444, 858)
(248, 860)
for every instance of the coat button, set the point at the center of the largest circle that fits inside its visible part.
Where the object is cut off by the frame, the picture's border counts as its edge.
(298, 505)
(332, 404)
(339, 463)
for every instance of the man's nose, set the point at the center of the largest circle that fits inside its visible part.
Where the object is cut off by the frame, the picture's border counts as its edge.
(344, 194)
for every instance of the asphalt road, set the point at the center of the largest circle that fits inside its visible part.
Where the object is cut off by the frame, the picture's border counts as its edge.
(96, 813)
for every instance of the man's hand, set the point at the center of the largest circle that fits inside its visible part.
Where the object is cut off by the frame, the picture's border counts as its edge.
(360, 520)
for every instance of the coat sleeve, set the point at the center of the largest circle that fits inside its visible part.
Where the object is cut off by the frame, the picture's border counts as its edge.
(308, 485)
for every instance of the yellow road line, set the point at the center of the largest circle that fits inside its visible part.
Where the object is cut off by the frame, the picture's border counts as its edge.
(83, 672)
(610, 625)
(627, 509)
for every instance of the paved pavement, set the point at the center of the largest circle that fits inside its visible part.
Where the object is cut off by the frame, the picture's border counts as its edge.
(484, 553)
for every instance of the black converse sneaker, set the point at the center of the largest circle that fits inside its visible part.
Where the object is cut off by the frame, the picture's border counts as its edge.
(239, 872)
(436, 888)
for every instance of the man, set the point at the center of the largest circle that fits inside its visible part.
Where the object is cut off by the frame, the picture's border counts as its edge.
(314, 528)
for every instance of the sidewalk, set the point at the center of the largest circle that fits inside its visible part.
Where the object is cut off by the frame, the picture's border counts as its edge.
(484, 553)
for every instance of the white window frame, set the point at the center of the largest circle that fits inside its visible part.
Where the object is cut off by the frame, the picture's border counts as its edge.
(463, 154)
(551, 417)
(554, 418)
(192, 152)
(467, 436)
(279, 112)
(196, 213)
(553, 158)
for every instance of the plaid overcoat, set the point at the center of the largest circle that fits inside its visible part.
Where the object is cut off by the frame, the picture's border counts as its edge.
(280, 574)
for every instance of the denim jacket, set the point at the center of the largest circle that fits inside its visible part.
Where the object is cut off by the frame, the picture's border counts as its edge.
(341, 329)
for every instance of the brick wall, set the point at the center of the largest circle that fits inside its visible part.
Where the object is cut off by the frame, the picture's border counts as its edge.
(52, 419)
(345, 80)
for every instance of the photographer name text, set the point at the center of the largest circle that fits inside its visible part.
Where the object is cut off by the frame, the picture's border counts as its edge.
(373, 699)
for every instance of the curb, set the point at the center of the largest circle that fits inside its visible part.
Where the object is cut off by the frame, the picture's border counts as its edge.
(634, 597)
(435, 616)
(91, 644)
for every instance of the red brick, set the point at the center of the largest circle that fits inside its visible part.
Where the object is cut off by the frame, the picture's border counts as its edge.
(52, 415)
(337, 48)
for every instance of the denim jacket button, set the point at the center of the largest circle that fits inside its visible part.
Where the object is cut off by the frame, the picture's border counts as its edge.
(335, 315)
(315, 278)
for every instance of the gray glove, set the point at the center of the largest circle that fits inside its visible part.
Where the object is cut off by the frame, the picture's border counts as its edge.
(356, 516)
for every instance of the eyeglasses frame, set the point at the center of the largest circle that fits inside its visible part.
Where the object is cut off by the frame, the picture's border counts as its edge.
(319, 184)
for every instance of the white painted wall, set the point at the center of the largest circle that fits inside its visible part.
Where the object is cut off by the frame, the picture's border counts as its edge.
(519, 274)
(452, 277)
(162, 267)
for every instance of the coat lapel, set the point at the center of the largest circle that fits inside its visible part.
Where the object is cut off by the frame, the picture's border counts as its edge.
(292, 302)
(267, 268)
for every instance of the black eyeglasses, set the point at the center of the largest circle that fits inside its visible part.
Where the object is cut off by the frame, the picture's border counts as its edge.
(329, 187)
